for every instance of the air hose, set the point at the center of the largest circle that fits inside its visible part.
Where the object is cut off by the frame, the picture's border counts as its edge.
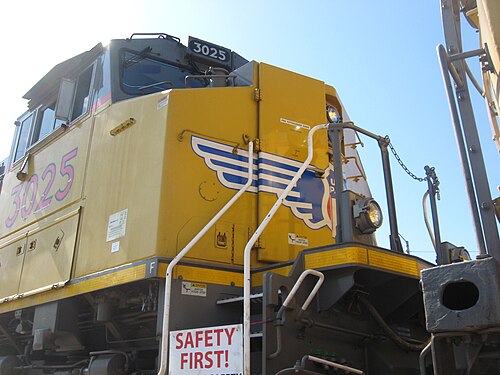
(405, 345)
(426, 218)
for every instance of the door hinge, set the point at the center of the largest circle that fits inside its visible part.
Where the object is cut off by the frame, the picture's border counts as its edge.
(256, 145)
(257, 95)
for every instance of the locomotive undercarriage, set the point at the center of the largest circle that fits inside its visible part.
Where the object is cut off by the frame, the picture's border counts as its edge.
(363, 318)
(116, 326)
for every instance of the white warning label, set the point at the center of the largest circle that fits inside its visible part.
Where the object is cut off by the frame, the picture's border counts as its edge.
(115, 246)
(295, 239)
(194, 289)
(117, 224)
(162, 102)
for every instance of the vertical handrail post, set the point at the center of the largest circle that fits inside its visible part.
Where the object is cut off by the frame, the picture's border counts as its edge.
(394, 239)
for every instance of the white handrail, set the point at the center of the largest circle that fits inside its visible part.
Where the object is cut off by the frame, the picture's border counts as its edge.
(246, 265)
(297, 285)
(173, 263)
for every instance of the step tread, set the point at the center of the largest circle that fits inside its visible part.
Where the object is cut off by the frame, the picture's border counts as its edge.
(238, 299)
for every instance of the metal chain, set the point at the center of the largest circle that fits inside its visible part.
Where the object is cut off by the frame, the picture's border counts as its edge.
(405, 168)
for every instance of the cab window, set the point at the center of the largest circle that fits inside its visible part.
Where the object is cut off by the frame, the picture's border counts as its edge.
(23, 135)
(47, 120)
(36, 125)
(81, 103)
(143, 73)
(46, 123)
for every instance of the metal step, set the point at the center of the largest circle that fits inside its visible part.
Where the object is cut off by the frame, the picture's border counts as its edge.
(257, 297)
(256, 335)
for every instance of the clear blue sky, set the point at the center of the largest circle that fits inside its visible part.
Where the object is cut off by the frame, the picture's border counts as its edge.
(379, 55)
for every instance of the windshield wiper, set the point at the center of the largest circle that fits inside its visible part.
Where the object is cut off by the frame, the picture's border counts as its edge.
(137, 57)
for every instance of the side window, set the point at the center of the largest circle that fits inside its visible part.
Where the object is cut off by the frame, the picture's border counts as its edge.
(102, 80)
(38, 124)
(24, 133)
(82, 96)
(46, 123)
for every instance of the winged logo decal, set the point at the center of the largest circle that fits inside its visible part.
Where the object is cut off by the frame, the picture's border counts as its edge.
(308, 200)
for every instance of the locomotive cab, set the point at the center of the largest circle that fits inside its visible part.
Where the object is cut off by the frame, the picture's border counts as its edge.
(122, 70)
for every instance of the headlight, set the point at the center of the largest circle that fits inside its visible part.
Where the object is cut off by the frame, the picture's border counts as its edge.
(367, 215)
(332, 114)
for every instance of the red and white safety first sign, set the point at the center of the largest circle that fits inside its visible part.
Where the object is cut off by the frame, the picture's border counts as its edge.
(207, 351)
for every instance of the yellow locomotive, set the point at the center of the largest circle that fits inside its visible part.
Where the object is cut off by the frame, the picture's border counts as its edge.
(180, 209)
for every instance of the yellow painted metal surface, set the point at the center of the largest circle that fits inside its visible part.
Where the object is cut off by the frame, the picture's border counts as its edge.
(257, 277)
(194, 191)
(54, 180)
(11, 264)
(290, 105)
(40, 255)
(209, 276)
(393, 262)
(219, 277)
(216, 246)
(383, 260)
(350, 255)
(49, 253)
(35, 210)
(206, 275)
(124, 177)
(167, 190)
(92, 283)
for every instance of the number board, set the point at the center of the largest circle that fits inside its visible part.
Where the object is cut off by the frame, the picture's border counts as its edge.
(209, 53)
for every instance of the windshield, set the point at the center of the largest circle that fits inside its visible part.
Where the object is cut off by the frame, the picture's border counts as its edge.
(142, 73)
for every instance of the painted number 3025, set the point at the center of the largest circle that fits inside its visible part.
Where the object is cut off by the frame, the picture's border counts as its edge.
(24, 196)
(209, 51)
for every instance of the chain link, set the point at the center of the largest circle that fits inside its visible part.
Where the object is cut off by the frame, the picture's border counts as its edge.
(405, 168)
